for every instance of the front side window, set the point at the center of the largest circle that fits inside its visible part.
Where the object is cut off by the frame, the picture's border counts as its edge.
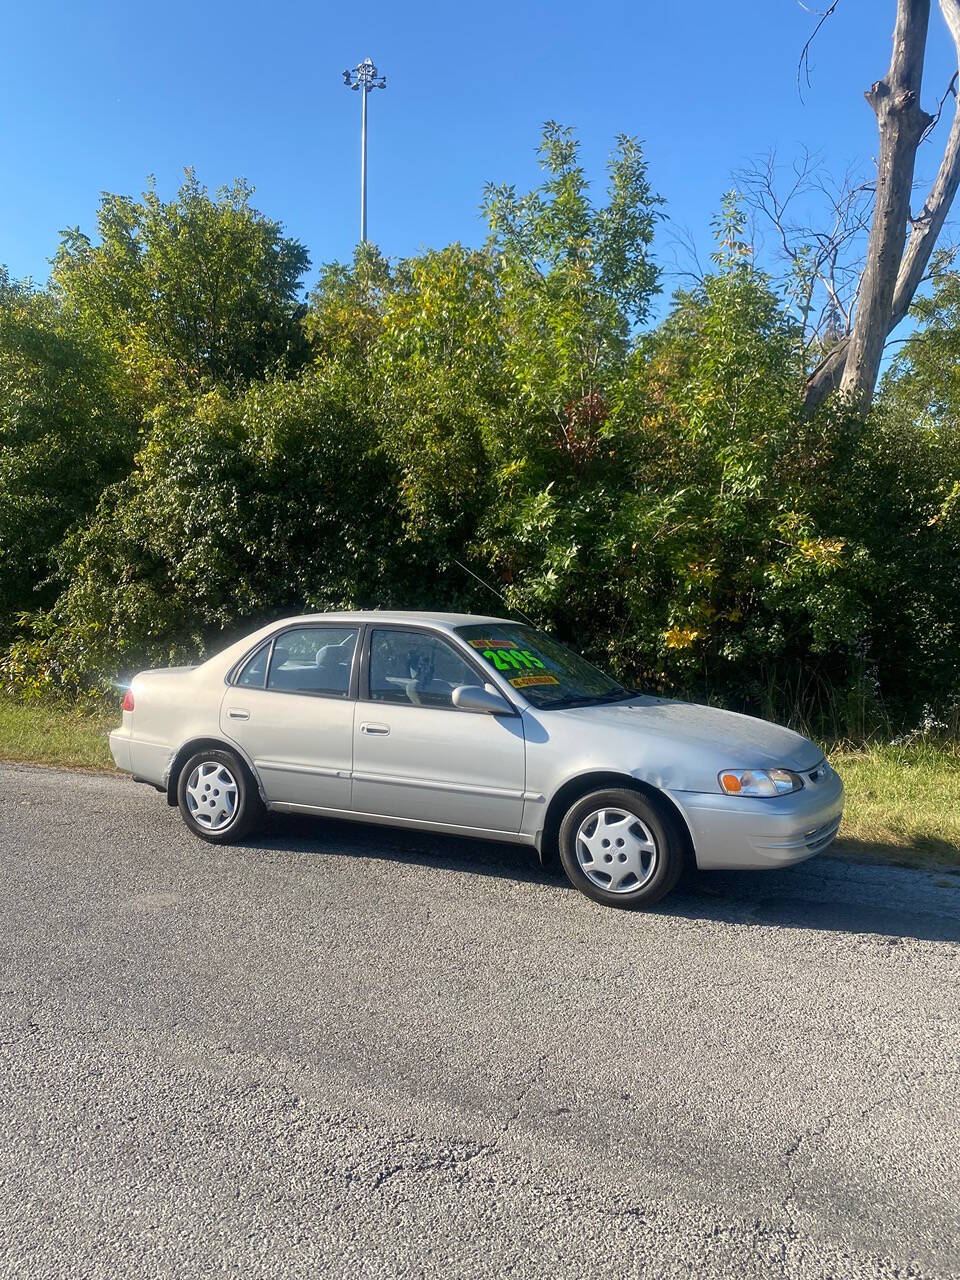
(313, 660)
(543, 670)
(414, 668)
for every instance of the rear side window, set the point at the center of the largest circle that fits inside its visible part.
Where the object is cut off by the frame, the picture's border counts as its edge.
(313, 660)
(254, 671)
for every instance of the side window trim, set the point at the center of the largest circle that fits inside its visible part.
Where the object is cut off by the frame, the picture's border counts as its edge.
(359, 668)
(273, 649)
(363, 691)
(452, 642)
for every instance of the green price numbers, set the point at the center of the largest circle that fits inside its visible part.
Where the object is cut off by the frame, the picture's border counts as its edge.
(513, 660)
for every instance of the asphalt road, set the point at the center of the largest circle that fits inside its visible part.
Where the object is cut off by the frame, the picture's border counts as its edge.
(348, 1051)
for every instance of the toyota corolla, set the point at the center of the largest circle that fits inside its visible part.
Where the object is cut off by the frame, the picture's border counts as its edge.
(481, 727)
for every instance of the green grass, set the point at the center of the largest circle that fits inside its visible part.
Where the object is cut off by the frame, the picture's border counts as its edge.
(41, 734)
(903, 803)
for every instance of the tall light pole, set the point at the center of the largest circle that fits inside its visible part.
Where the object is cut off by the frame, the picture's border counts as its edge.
(363, 78)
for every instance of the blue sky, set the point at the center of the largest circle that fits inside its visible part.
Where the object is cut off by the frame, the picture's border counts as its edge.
(96, 96)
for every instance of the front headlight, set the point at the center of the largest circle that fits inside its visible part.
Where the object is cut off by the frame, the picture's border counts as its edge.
(759, 782)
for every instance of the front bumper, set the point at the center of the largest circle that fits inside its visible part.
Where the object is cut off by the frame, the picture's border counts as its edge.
(742, 832)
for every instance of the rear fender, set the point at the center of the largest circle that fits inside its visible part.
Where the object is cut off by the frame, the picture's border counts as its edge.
(179, 758)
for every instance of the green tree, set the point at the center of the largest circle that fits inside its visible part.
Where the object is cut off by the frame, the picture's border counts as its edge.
(575, 277)
(67, 430)
(239, 508)
(194, 293)
(923, 383)
(500, 370)
(345, 307)
(442, 391)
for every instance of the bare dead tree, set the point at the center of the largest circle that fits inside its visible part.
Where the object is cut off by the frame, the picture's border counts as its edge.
(894, 265)
(820, 227)
(902, 122)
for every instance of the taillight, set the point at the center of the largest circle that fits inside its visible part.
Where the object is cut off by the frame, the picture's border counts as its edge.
(128, 700)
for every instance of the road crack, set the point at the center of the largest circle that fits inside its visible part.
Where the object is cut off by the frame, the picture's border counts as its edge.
(521, 1097)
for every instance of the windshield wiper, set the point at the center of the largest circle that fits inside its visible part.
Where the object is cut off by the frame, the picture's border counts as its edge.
(615, 695)
(591, 699)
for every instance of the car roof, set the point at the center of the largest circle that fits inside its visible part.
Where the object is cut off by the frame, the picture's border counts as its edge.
(424, 617)
(440, 621)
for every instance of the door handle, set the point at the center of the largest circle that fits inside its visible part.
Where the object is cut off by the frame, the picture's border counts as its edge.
(380, 730)
(238, 713)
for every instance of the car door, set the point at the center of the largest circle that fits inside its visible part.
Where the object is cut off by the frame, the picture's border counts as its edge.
(416, 756)
(290, 707)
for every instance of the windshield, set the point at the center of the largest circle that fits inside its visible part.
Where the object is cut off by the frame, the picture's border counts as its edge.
(544, 671)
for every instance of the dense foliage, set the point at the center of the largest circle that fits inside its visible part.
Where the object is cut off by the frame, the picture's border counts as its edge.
(651, 492)
(67, 429)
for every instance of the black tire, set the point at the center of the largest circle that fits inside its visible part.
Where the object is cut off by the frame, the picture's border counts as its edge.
(247, 811)
(653, 879)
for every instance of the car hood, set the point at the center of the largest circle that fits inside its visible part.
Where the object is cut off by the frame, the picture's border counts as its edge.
(732, 740)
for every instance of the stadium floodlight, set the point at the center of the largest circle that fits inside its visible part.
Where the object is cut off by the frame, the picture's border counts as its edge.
(363, 78)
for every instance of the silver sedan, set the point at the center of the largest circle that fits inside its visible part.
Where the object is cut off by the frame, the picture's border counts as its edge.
(479, 727)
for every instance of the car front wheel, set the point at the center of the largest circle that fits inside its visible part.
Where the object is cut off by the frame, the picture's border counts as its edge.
(218, 799)
(621, 849)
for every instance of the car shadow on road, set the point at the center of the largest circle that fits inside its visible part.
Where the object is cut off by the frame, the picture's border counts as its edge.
(796, 899)
(829, 894)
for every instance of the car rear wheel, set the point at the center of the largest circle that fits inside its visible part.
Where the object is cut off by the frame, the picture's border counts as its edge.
(218, 799)
(620, 848)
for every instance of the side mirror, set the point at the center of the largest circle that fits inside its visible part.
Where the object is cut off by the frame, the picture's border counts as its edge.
(475, 697)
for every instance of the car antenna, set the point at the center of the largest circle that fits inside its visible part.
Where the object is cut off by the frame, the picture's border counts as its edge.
(497, 593)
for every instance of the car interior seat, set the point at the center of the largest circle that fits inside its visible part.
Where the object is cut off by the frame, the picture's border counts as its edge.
(333, 666)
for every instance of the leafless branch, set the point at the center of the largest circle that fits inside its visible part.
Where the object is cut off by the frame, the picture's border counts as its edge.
(803, 66)
(820, 225)
(951, 88)
(684, 246)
